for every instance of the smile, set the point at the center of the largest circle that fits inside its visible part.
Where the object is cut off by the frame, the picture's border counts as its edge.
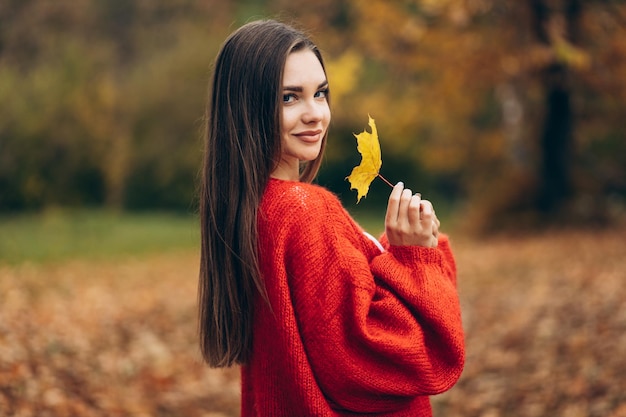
(309, 135)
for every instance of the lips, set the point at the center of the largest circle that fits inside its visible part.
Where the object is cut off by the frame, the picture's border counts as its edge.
(309, 135)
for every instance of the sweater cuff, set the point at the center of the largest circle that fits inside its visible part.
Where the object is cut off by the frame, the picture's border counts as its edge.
(416, 254)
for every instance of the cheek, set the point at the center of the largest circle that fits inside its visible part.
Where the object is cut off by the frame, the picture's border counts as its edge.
(327, 116)
(287, 121)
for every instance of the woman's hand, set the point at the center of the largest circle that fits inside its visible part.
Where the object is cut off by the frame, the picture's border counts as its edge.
(410, 221)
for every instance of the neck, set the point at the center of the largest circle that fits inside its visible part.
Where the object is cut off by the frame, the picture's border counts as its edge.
(286, 172)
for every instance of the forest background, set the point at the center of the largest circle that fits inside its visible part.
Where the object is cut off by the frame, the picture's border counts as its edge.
(511, 110)
(508, 115)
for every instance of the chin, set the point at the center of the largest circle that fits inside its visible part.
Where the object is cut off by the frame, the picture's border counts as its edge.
(310, 157)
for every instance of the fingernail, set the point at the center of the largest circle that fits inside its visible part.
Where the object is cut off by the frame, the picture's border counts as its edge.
(418, 195)
(400, 184)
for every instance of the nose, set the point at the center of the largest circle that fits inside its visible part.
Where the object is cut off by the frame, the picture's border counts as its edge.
(314, 112)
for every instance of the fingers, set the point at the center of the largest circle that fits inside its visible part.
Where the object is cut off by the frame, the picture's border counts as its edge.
(435, 233)
(410, 220)
(435, 225)
(426, 211)
(430, 222)
(414, 209)
(405, 202)
(393, 206)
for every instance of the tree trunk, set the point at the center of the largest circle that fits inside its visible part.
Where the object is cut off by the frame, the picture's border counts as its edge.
(556, 140)
(557, 132)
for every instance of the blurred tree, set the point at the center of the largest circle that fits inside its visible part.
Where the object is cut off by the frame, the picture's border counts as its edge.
(489, 97)
(513, 106)
(104, 100)
(556, 27)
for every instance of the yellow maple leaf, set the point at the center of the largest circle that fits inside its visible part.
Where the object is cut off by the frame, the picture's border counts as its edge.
(363, 174)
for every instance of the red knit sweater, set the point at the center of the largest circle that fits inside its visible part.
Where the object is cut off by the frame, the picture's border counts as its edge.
(352, 329)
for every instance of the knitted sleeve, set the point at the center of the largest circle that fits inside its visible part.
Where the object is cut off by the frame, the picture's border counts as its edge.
(379, 328)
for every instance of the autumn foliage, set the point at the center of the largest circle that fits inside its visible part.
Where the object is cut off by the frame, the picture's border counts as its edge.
(106, 339)
(104, 102)
(371, 160)
(545, 320)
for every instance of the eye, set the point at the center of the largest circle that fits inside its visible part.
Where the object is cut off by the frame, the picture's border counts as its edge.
(289, 98)
(322, 93)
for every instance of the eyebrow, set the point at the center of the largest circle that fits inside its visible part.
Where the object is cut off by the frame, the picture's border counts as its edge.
(300, 89)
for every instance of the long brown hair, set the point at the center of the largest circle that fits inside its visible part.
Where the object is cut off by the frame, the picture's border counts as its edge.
(242, 149)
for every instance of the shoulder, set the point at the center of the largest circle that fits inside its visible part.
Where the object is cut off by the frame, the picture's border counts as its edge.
(294, 198)
(303, 213)
(296, 207)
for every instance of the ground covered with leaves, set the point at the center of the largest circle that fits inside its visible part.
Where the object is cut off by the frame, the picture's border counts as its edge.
(545, 318)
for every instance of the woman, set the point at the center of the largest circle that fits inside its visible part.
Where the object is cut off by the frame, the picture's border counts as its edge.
(325, 320)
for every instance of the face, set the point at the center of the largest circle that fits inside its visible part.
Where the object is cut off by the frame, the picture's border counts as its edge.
(305, 112)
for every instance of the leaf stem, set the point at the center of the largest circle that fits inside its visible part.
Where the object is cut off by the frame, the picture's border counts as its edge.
(385, 179)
